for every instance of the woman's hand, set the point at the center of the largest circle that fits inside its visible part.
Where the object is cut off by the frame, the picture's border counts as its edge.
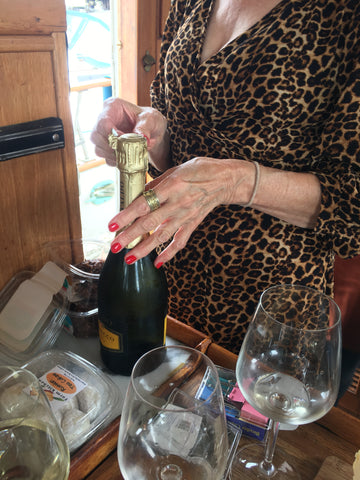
(187, 194)
(125, 117)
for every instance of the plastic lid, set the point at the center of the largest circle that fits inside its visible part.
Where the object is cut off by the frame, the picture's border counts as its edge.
(32, 312)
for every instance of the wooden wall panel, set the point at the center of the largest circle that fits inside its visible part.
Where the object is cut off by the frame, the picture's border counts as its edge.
(40, 17)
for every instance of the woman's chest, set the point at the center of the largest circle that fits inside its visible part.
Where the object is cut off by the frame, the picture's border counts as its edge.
(230, 19)
(282, 64)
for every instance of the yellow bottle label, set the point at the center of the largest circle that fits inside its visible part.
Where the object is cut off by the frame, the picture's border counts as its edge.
(109, 339)
(165, 328)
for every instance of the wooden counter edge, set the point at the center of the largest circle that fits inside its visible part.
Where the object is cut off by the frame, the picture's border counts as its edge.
(191, 337)
(85, 460)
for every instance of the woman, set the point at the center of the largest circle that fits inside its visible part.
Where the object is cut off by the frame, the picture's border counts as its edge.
(255, 123)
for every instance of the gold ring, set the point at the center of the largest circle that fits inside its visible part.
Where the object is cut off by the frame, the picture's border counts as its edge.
(152, 200)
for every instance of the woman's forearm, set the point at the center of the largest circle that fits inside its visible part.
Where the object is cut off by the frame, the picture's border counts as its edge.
(291, 196)
(294, 197)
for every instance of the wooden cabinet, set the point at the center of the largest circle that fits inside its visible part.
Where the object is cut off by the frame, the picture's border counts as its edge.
(39, 192)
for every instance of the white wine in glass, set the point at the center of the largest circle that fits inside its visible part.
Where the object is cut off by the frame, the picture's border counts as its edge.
(32, 446)
(288, 369)
(173, 423)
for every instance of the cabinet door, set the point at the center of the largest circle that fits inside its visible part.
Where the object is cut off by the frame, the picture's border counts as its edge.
(39, 192)
(140, 26)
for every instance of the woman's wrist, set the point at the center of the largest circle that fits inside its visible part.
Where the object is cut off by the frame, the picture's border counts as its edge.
(242, 181)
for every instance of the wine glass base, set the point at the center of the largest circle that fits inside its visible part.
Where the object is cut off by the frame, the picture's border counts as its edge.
(247, 465)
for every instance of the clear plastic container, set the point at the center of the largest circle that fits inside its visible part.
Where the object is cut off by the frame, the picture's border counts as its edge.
(82, 260)
(83, 398)
(20, 339)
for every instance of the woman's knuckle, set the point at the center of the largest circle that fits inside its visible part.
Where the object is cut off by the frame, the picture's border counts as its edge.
(143, 209)
(148, 224)
(162, 235)
(180, 243)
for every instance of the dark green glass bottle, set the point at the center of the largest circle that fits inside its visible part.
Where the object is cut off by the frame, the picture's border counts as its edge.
(132, 299)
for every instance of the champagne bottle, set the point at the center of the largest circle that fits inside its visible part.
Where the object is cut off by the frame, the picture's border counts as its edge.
(132, 299)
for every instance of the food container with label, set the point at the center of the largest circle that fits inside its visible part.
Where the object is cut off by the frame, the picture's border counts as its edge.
(82, 260)
(32, 312)
(82, 397)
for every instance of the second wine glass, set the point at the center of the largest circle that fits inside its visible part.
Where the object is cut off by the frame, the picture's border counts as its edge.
(173, 423)
(288, 369)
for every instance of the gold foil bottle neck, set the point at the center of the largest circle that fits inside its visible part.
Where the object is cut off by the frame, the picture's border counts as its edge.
(131, 152)
(132, 162)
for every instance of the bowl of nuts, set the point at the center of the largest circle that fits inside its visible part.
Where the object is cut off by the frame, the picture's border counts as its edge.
(82, 260)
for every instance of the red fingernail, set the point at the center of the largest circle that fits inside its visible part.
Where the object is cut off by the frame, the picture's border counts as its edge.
(115, 247)
(131, 259)
(113, 227)
(147, 138)
(159, 265)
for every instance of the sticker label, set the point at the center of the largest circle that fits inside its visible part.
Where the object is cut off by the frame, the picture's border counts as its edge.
(60, 385)
(175, 431)
(109, 339)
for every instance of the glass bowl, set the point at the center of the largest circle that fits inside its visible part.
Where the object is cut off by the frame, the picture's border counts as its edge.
(82, 260)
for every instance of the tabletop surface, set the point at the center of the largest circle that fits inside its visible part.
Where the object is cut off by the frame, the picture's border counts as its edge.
(308, 447)
(311, 448)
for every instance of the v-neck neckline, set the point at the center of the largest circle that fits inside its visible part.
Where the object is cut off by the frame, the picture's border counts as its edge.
(261, 23)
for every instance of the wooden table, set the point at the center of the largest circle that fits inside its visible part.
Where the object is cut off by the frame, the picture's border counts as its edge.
(336, 435)
(309, 446)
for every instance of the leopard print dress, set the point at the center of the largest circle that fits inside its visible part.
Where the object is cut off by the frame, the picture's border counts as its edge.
(287, 94)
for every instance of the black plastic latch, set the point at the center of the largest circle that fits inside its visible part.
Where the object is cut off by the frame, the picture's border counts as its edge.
(31, 137)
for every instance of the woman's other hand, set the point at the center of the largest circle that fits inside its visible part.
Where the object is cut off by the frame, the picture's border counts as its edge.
(125, 117)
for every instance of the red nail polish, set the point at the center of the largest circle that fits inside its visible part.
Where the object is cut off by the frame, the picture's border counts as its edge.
(131, 259)
(147, 138)
(159, 265)
(113, 227)
(115, 247)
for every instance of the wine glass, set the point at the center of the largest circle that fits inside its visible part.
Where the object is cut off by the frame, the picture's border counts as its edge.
(288, 369)
(32, 445)
(173, 423)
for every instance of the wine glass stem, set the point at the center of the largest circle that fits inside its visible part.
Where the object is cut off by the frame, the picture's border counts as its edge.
(267, 467)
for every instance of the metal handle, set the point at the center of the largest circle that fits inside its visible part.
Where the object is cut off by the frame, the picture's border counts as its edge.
(148, 61)
(27, 138)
